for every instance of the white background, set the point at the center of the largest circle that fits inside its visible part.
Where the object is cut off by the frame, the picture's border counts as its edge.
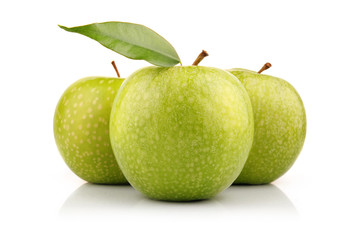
(312, 44)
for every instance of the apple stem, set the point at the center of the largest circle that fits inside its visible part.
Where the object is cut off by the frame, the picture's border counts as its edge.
(266, 66)
(201, 56)
(116, 70)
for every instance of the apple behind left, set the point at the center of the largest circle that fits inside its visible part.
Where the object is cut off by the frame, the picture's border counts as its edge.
(81, 129)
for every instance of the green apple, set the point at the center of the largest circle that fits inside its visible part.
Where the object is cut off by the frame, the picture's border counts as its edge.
(280, 126)
(181, 133)
(81, 129)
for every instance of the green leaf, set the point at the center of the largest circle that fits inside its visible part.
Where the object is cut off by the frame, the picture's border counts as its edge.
(131, 40)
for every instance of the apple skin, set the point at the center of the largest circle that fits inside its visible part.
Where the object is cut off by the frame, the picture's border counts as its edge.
(81, 129)
(181, 133)
(280, 127)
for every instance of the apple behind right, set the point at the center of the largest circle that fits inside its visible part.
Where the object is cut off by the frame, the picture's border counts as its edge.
(280, 126)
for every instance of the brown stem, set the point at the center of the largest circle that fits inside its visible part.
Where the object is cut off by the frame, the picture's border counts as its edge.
(266, 66)
(116, 70)
(201, 56)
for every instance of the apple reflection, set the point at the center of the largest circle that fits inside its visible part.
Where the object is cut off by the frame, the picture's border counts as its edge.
(94, 200)
(257, 200)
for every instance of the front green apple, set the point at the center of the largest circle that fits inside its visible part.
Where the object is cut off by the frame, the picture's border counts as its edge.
(181, 133)
(81, 129)
(280, 127)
